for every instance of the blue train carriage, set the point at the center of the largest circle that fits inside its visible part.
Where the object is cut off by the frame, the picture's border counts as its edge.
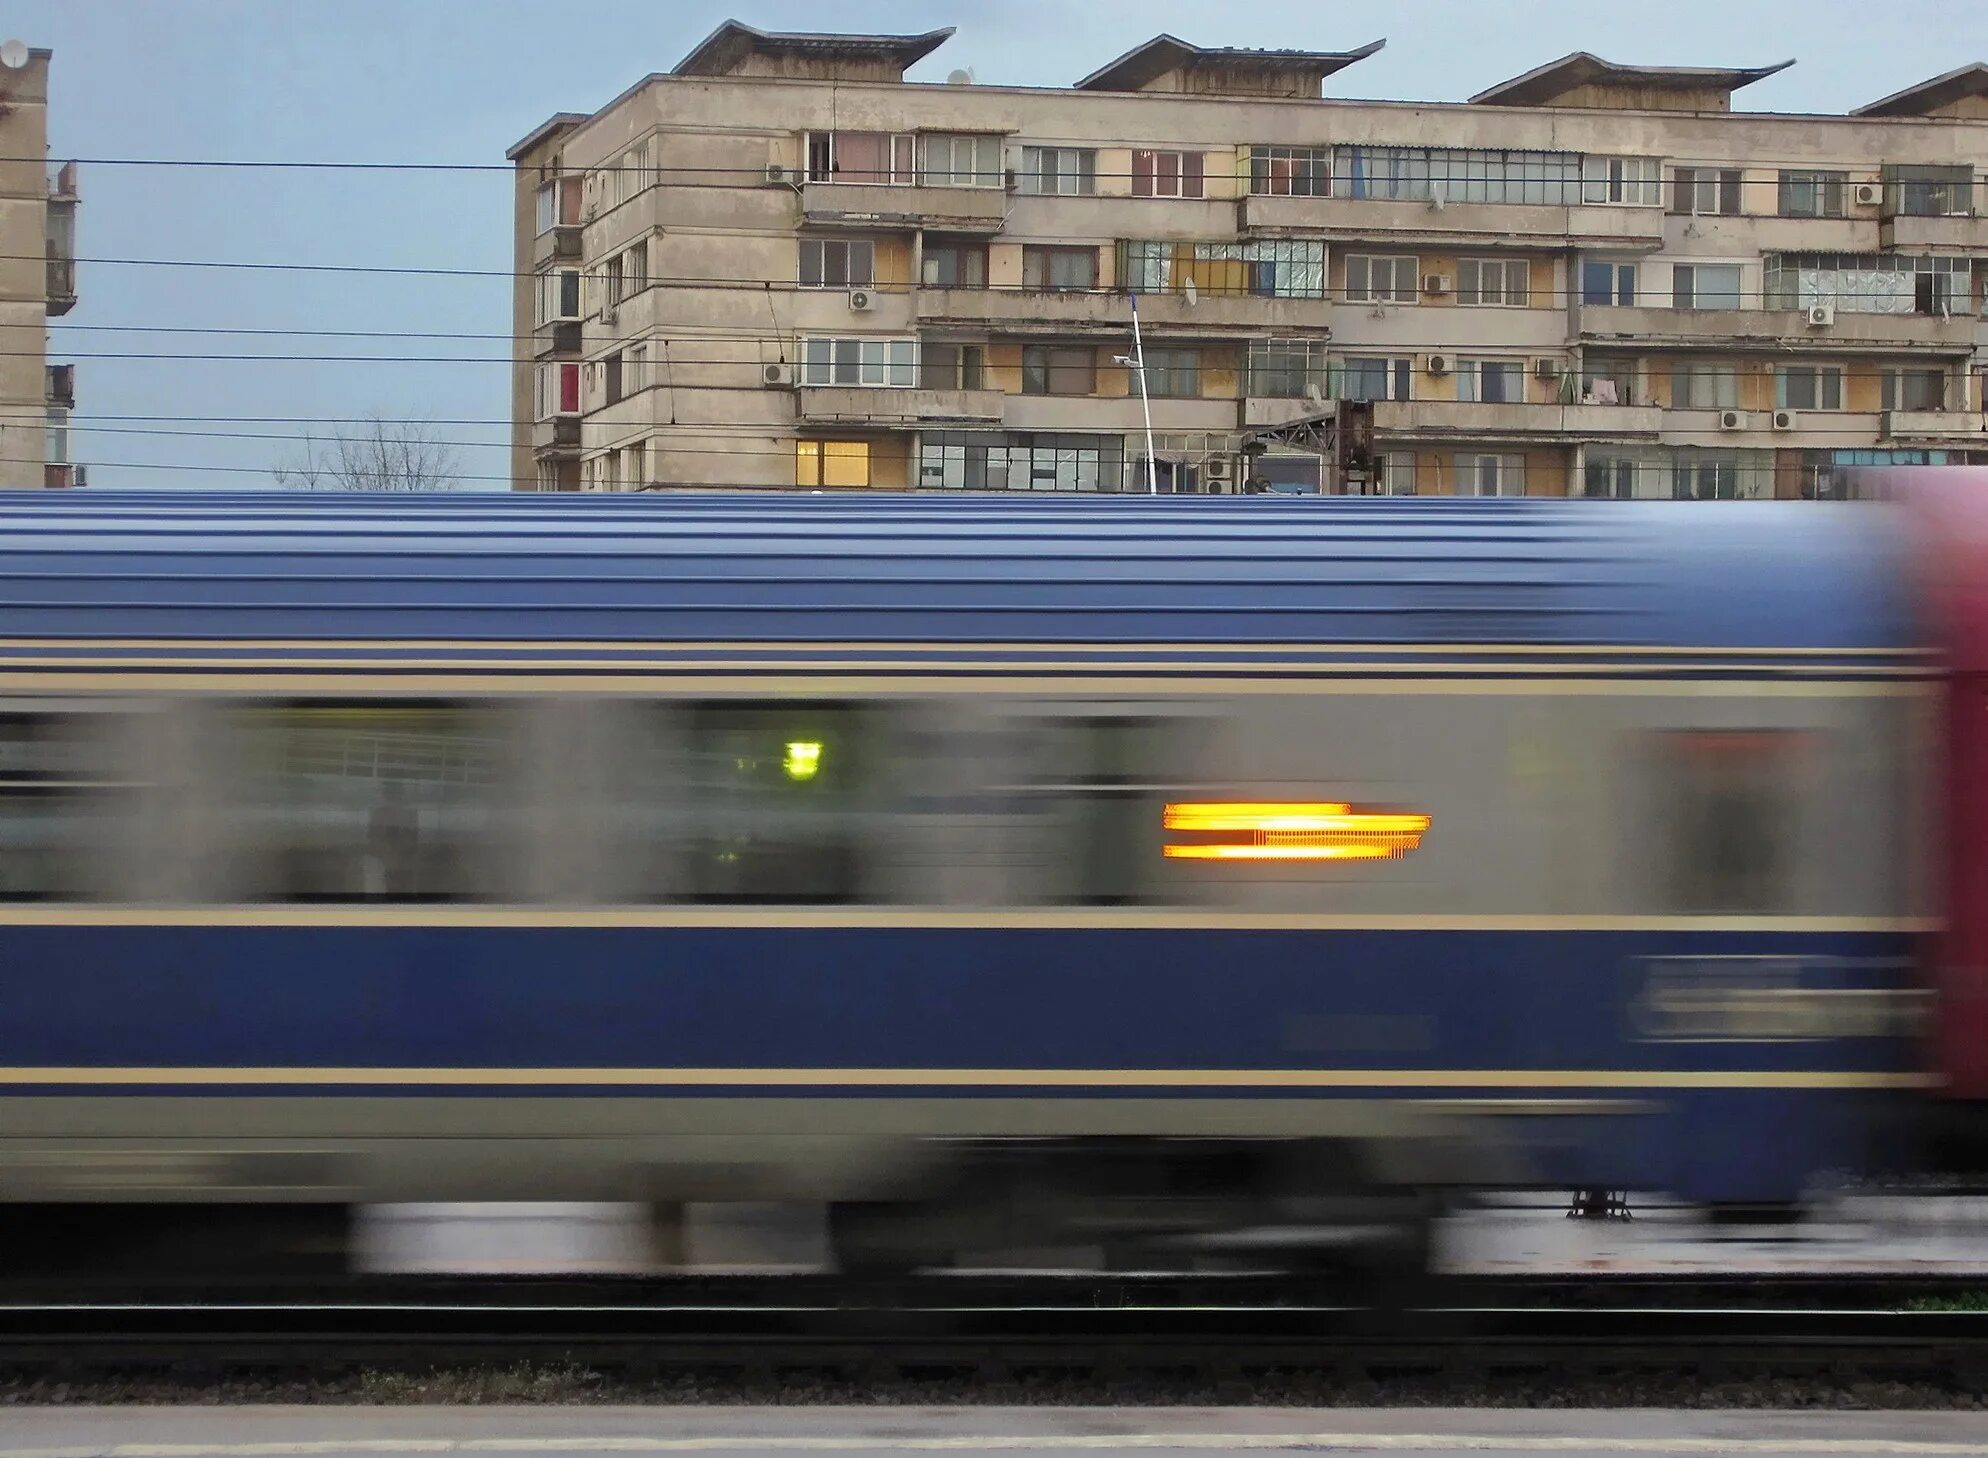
(1172, 875)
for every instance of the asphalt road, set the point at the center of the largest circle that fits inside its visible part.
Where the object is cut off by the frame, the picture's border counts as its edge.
(583, 1432)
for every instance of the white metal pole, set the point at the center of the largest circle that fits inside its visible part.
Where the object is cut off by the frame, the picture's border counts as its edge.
(1145, 402)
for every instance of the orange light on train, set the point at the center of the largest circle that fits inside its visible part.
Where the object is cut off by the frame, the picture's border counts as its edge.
(1256, 830)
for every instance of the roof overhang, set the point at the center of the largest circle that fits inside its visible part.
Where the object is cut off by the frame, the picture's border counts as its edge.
(551, 127)
(1139, 67)
(1928, 96)
(1545, 84)
(723, 51)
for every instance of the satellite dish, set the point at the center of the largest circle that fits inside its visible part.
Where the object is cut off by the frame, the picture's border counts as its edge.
(1193, 292)
(962, 77)
(13, 55)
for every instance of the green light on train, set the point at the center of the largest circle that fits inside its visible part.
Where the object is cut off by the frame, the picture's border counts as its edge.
(803, 759)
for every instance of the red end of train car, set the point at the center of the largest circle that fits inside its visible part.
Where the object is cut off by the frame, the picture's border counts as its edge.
(1948, 510)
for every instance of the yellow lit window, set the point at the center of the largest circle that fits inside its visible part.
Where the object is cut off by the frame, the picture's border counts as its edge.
(831, 463)
(1290, 831)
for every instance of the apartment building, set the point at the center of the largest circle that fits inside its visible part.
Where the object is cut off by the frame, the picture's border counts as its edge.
(781, 264)
(37, 222)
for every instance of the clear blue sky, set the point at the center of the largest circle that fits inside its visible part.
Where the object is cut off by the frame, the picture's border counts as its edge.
(460, 80)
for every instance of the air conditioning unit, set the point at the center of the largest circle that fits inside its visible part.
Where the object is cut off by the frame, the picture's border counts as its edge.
(778, 174)
(777, 374)
(608, 313)
(1437, 283)
(1436, 364)
(1867, 194)
(1221, 471)
(1546, 368)
(861, 301)
(1821, 316)
(1732, 420)
(1784, 420)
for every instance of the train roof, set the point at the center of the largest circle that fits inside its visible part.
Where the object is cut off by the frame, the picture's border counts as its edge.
(792, 567)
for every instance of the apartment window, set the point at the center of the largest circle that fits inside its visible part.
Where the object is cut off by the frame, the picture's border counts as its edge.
(960, 161)
(838, 263)
(1046, 267)
(1380, 279)
(1706, 190)
(1808, 387)
(1605, 281)
(1611, 477)
(558, 203)
(55, 436)
(1279, 268)
(950, 366)
(1493, 281)
(1059, 369)
(831, 463)
(1396, 476)
(1166, 174)
(1869, 283)
(631, 172)
(612, 368)
(615, 279)
(1460, 174)
(1373, 377)
(1486, 475)
(1173, 373)
(1806, 194)
(555, 390)
(1606, 381)
(635, 267)
(1286, 369)
(558, 295)
(882, 363)
(635, 366)
(1059, 171)
(1705, 285)
(1703, 385)
(955, 265)
(862, 157)
(1491, 381)
(1290, 171)
(1913, 389)
(1930, 192)
(1720, 476)
(548, 207)
(1630, 181)
(1021, 461)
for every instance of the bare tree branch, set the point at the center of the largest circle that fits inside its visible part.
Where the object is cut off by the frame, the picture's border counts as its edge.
(377, 454)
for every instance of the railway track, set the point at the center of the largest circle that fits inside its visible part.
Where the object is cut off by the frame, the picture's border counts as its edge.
(991, 1328)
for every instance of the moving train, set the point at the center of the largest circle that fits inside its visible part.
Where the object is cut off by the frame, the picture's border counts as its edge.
(1174, 878)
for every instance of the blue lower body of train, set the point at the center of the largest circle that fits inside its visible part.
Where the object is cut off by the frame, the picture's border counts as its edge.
(1724, 1066)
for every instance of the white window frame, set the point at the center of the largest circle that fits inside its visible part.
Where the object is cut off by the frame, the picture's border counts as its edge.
(1892, 386)
(983, 154)
(874, 362)
(1721, 378)
(1698, 294)
(901, 157)
(821, 247)
(1398, 371)
(1509, 469)
(1311, 358)
(1059, 171)
(1396, 476)
(1472, 274)
(1180, 172)
(546, 202)
(1469, 380)
(1313, 162)
(1616, 268)
(550, 289)
(1370, 266)
(1828, 381)
(1629, 182)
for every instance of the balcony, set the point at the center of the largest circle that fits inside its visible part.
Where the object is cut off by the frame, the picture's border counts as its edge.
(61, 390)
(856, 404)
(868, 205)
(559, 436)
(1455, 224)
(561, 241)
(1903, 233)
(1066, 311)
(559, 340)
(1759, 328)
(64, 477)
(1961, 427)
(61, 283)
(1479, 420)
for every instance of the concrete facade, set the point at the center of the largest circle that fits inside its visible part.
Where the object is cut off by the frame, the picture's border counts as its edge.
(783, 265)
(37, 283)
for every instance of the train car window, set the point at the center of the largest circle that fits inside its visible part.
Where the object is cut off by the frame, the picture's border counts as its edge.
(1731, 803)
(779, 800)
(54, 805)
(370, 802)
(1097, 782)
